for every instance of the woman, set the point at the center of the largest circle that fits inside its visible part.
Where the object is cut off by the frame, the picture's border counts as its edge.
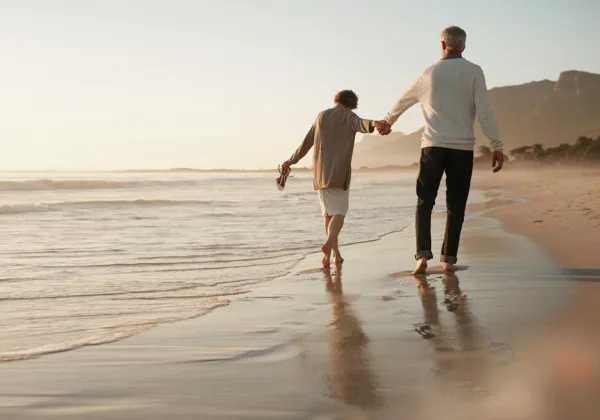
(333, 134)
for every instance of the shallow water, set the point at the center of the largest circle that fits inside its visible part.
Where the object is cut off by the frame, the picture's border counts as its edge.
(93, 258)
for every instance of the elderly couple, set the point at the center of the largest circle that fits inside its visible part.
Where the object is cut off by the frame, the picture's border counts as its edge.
(451, 92)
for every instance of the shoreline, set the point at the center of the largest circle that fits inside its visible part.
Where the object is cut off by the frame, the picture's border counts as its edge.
(303, 346)
(313, 345)
(554, 206)
(480, 166)
(558, 209)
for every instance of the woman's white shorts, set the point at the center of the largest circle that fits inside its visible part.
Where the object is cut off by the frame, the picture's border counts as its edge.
(334, 201)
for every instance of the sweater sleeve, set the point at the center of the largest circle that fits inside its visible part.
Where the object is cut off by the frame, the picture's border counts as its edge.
(410, 97)
(485, 114)
(357, 124)
(306, 145)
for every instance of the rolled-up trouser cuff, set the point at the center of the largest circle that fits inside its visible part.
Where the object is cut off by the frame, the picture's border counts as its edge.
(449, 260)
(424, 254)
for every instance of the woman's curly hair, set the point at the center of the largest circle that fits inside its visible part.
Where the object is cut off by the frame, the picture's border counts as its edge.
(347, 98)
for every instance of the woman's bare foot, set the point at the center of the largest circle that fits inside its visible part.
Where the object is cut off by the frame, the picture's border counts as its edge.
(449, 268)
(421, 266)
(326, 256)
(337, 255)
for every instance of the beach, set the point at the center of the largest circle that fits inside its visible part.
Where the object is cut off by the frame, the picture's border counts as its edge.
(562, 203)
(367, 341)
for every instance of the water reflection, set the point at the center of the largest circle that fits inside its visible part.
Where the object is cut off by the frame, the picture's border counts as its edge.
(455, 301)
(458, 348)
(352, 380)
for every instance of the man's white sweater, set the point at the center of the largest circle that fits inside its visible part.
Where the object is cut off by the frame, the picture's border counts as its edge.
(451, 92)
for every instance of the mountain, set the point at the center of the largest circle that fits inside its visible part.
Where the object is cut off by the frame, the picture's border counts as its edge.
(400, 149)
(374, 149)
(545, 112)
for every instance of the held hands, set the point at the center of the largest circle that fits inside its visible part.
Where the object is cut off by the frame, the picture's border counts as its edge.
(383, 127)
(497, 161)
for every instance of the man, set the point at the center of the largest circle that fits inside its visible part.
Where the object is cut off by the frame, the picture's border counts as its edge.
(450, 92)
(333, 135)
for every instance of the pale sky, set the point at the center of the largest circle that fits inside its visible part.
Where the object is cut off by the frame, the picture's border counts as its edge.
(120, 84)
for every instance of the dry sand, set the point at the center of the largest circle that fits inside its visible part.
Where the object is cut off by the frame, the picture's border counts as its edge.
(561, 210)
(511, 336)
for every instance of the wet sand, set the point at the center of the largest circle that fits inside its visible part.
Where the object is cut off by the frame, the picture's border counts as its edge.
(558, 207)
(370, 341)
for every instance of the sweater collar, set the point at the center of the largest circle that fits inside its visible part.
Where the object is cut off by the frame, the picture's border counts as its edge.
(452, 56)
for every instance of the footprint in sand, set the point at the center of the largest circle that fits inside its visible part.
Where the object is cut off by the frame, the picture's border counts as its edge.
(475, 392)
(394, 295)
(450, 306)
(502, 352)
(452, 301)
(424, 330)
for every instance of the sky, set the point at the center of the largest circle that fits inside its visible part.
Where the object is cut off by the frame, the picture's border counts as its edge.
(133, 84)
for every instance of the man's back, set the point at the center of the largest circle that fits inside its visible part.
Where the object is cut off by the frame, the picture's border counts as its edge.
(451, 93)
(448, 103)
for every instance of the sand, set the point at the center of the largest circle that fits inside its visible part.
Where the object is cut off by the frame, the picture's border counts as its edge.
(502, 338)
(560, 210)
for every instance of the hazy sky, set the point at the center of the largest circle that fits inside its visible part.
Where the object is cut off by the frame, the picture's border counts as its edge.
(111, 84)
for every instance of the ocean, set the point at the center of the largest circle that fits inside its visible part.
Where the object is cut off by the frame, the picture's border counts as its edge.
(90, 258)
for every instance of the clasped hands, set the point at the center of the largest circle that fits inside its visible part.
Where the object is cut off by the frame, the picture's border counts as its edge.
(383, 127)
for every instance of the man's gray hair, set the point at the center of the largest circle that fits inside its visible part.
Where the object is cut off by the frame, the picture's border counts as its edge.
(454, 37)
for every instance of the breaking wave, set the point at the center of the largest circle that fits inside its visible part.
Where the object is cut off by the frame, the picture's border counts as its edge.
(42, 207)
(106, 184)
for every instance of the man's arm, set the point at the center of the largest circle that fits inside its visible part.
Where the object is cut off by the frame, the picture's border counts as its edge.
(487, 121)
(410, 97)
(485, 114)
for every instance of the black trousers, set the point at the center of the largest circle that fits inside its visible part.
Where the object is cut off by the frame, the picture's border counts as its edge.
(458, 166)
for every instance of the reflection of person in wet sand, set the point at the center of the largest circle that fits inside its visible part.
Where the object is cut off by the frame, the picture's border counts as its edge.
(455, 361)
(456, 302)
(352, 380)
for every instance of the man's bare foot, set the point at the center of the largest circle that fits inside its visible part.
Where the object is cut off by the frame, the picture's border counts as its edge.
(326, 256)
(449, 268)
(421, 267)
